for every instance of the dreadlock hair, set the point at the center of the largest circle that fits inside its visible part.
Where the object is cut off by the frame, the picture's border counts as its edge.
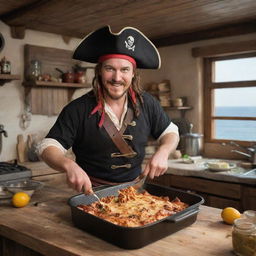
(135, 85)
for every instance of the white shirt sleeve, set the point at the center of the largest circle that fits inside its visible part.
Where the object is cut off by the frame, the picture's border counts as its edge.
(49, 142)
(172, 128)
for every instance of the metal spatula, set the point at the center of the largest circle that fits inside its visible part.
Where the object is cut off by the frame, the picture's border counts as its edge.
(94, 194)
(139, 185)
(100, 202)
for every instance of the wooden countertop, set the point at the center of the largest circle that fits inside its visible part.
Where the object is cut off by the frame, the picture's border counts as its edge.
(175, 167)
(47, 228)
(39, 168)
(198, 169)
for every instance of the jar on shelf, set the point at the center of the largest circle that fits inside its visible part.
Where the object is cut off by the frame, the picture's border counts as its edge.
(244, 237)
(5, 66)
(34, 70)
(177, 102)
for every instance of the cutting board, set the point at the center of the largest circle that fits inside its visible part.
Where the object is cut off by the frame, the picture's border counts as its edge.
(21, 149)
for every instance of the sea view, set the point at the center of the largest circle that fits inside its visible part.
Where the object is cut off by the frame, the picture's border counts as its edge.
(236, 129)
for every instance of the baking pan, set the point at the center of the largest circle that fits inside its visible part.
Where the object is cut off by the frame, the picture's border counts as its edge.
(135, 237)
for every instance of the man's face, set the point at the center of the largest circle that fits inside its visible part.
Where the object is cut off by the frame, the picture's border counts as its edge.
(116, 75)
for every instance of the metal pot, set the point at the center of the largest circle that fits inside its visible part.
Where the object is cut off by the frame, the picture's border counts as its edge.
(80, 77)
(67, 77)
(191, 143)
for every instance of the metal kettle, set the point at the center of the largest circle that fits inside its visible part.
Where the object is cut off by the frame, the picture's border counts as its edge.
(191, 143)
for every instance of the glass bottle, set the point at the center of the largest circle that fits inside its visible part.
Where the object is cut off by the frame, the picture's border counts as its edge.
(244, 237)
(34, 69)
(5, 66)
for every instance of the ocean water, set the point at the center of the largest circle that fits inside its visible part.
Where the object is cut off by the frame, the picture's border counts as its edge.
(236, 129)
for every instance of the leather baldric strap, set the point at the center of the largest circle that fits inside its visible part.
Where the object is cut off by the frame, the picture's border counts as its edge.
(127, 120)
(98, 182)
(116, 136)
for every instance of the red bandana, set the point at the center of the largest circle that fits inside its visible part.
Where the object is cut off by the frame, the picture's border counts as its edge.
(99, 108)
(133, 95)
(118, 56)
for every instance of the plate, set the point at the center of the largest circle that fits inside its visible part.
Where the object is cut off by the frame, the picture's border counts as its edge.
(216, 169)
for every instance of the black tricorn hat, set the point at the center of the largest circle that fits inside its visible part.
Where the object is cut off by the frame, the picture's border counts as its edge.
(129, 41)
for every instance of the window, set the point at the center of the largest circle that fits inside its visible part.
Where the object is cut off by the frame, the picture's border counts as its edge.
(230, 98)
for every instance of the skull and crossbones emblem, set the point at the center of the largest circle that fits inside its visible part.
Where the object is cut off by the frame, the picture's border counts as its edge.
(129, 43)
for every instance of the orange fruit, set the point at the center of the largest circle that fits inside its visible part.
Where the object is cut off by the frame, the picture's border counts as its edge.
(229, 214)
(20, 199)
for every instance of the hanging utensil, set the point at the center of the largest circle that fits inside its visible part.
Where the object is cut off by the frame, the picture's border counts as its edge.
(2, 131)
(2, 42)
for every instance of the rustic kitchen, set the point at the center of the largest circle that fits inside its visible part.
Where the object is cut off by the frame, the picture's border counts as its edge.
(213, 169)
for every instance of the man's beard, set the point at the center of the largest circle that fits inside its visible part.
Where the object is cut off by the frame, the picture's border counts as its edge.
(115, 97)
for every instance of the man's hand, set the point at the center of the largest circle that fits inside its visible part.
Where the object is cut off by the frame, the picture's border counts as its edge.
(158, 163)
(76, 176)
(78, 179)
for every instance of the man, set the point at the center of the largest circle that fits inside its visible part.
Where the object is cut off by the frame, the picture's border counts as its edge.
(108, 128)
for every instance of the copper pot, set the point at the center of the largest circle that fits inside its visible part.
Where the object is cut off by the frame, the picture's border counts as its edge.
(80, 77)
(68, 77)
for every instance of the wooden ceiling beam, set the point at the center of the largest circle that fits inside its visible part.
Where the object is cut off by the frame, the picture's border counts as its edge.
(25, 9)
(217, 32)
(226, 49)
(18, 32)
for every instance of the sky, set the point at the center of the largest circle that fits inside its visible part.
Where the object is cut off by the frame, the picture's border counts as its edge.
(236, 70)
(236, 97)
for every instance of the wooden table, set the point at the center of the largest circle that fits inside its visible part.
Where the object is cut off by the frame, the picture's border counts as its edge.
(47, 229)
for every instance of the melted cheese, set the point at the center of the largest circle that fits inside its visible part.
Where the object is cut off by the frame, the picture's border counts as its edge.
(132, 209)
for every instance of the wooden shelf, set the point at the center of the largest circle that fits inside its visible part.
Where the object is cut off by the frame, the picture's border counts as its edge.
(9, 77)
(181, 109)
(49, 98)
(55, 84)
(4, 78)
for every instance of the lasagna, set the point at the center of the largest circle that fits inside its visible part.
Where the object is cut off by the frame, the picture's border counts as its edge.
(133, 209)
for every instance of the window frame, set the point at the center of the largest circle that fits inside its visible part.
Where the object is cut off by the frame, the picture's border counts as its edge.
(209, 86)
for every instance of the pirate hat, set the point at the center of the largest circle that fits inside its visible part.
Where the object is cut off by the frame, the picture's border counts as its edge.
(129, 42)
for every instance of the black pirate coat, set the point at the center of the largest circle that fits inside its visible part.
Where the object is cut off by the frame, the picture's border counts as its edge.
(93, 147)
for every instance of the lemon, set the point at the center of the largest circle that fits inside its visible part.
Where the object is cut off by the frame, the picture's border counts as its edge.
(229, 214)
(20, 199)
